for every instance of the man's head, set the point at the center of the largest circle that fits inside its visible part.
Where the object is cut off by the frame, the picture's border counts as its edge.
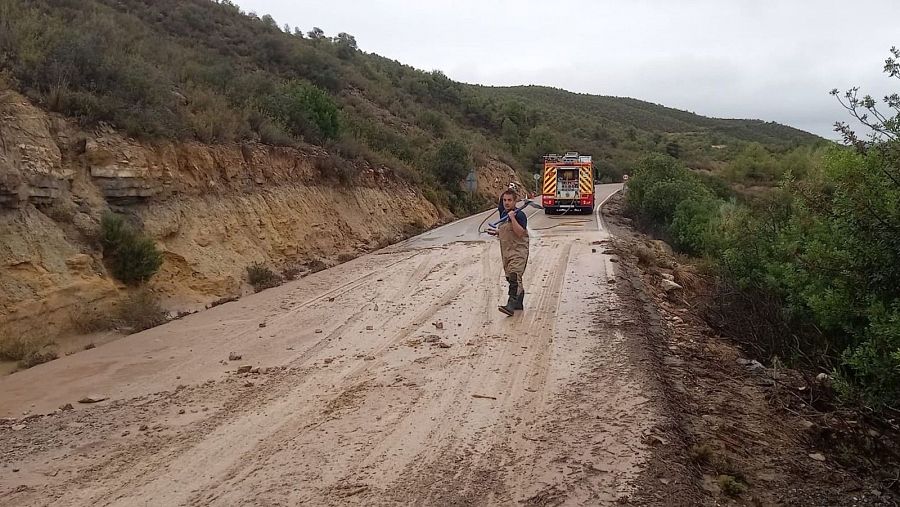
(509, 198)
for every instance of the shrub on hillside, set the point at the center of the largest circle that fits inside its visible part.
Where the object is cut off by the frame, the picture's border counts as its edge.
(305, 110)
(451, 163)
(260, 277)
(141, 310)
(132, 257)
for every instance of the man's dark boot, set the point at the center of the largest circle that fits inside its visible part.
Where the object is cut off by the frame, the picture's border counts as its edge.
(510, 307)
(520, 301)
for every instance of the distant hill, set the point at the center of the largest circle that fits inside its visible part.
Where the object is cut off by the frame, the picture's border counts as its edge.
(196, 69)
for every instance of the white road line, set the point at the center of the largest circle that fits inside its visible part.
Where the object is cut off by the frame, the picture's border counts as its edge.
(600, 206)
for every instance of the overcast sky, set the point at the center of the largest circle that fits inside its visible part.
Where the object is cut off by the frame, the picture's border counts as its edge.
(766, 59)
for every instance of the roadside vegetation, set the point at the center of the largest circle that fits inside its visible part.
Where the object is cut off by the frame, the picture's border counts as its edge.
(811, 263)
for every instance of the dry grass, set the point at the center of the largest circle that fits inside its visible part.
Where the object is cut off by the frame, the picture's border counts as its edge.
(28, 349)
(141, 310)
(91, 319)
(261, 277)
(316, 265)
(701, 454)
(290, 273)
(731, 486)
(646, 256)
(222, 301)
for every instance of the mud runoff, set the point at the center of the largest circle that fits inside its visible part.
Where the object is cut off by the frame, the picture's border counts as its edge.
(389, 379)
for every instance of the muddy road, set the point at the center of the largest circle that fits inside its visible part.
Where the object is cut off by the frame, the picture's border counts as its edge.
(388, 379)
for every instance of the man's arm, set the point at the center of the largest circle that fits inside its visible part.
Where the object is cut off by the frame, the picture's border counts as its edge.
(516, 226)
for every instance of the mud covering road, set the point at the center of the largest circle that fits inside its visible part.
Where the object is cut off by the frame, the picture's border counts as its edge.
(390, 379)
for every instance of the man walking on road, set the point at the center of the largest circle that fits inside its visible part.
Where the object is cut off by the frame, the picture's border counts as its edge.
(513, 234)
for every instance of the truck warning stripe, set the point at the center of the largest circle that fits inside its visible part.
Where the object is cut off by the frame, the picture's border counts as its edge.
(586, 184)
(550, 181)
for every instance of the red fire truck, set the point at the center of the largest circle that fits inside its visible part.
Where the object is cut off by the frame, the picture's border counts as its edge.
(568, 183)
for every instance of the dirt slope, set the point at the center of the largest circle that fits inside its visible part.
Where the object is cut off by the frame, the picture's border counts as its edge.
(212, 209)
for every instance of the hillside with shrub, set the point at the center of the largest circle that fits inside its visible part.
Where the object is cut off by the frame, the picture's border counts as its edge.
(206, 71)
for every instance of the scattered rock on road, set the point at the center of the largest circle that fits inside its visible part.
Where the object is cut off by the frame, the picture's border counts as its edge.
(234, 356)
(817, 456)
(438, 325)
(370, 328)
(245, 368)
(67, 406)
(93, 398)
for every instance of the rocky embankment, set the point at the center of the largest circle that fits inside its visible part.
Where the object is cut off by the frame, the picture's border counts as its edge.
(212, 210)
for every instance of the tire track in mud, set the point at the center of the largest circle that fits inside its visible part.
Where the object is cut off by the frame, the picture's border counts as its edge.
(465, 465)
(166, 449)
(313, 419)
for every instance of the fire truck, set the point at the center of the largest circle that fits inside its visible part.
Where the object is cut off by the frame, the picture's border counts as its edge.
(568, 183)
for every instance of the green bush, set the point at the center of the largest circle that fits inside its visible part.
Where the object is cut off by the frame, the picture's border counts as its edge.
(451, 163)
(693, 224)
(132, 257)
(304, 110)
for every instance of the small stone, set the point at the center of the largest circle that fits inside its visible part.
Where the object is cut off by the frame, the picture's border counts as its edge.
(245, 368)
(432, 338)
(328, 360)
(438, 325)
(18, 427)
(249, 384)
(823, 377)
(234, 356)
(143, 427)
(318, 331)
(67, 406)
(126, 433)
(613, 260)
(262, 324)
(817, 456)
(369, 358)
(181, 412)
(93, 398)
(443, 345)
(370, 328)
(15, 469)
(669, 285)
(255, 370)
